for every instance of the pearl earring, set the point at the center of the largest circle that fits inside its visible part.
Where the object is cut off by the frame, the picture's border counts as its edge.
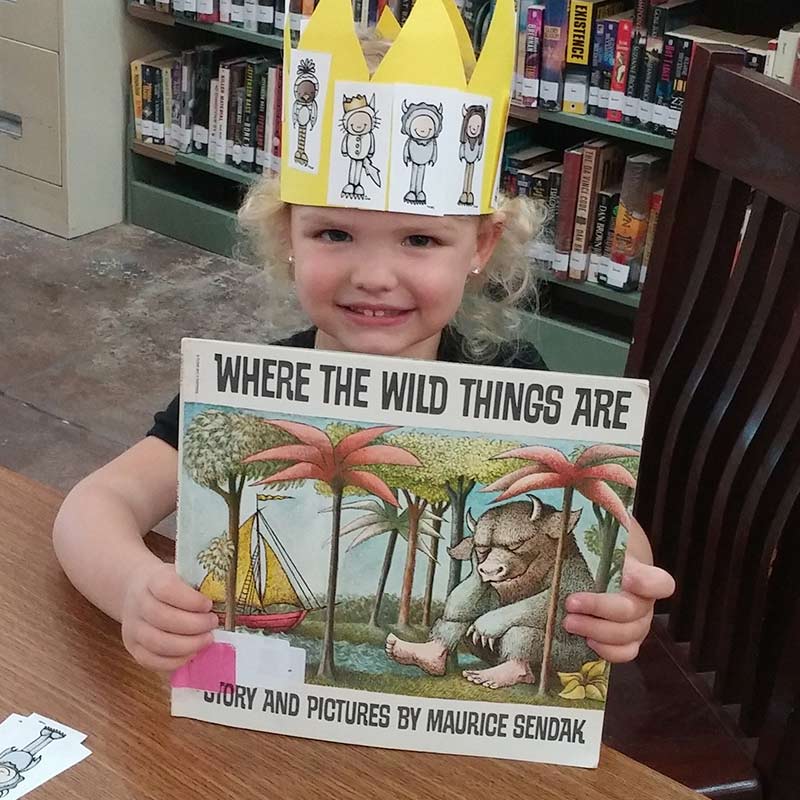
(291, 260)
(476, 271)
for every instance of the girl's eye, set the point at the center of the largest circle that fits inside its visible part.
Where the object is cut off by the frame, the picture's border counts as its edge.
(419, 240)
(334, 235)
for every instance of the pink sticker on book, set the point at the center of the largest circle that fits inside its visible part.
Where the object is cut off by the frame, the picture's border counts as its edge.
(208, 669)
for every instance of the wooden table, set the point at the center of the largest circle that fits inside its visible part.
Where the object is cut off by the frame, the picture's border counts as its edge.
(62, 658)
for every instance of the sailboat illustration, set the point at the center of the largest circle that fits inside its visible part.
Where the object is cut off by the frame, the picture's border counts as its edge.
(266, 576)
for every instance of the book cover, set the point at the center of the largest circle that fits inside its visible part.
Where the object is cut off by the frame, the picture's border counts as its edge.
(276, 131)
(205, 70)
(663, 94)
(643, 173)
(522, 49)
(607, 201)
(533, 56)
(656, 201)
(610, 28)
(136, 95)
(269, 125)
(235, 82)
(546, 239)
(596, 74)
(349, 472)
(225, 11)
(554, 51)
(261, 121)
(251, 15)
(148, 110)
(684, 49)
(636, 65)
(619, 74)
(565, 222)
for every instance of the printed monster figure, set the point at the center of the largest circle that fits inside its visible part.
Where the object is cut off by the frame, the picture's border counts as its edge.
(304, 108)
(422, 124)
(13, 761)
(500, 609)
(358, 144)
(470, 151)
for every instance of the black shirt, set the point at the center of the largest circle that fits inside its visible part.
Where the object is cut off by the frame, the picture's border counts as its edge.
(451, 348)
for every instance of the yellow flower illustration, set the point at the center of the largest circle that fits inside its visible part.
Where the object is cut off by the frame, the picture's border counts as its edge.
(591, 683)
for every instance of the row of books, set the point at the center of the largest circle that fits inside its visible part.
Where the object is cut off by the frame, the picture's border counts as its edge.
(603, 200)
(198, 101)
(783, 60)
(629, 66)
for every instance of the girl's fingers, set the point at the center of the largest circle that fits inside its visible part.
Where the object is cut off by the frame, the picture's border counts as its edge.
(169, 619)
(614, 606)
(608, 633)
(158, 663)
(645, 580)
(170, 645)
(166, 586)
(615, 654)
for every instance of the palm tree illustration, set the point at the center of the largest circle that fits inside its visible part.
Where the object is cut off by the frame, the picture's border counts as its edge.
(588, 474)
(339, 466)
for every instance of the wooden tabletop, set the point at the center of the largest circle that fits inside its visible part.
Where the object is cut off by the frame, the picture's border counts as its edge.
(62, 658)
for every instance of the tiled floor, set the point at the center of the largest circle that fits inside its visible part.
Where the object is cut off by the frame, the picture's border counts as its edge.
(91, 332)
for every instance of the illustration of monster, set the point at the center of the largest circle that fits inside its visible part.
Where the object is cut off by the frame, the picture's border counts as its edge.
(14, 762)
(304, 108)
(422, 124)
(470, 151)
(500, 609)
(359, 122)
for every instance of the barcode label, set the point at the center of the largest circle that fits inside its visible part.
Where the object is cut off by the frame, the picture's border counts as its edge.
(575, 93)
(617, 274)
(594, 96)
(548, 91)
(237, 13)
(266, 14)
(673, 118)
(224, 10)
(630, 106)
(645, 111)
(190, 5)
(205, 6)
(659, 115)
(578, 262)
(294, 21)
(530, 88)
(604, 98)
(561, 262)
(616, 100)
(200, 134)
(280, 18)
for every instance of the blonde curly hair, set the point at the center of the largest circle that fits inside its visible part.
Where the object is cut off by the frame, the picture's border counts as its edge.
(490, 315)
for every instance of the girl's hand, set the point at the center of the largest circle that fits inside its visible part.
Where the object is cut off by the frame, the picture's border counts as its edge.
(164, 621)
(616, 624)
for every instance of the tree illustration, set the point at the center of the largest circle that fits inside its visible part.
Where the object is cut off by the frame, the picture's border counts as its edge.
(438, 509)
(588, 474)
(215, 444)
(338, 465)
(216, 558)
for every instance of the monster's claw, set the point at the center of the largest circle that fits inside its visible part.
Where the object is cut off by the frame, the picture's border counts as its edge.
(475, 637)
(491, 644)
(470, 630)
(483, 641)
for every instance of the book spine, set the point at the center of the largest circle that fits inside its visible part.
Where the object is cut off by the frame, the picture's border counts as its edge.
(521, 45)
(522, 184)
(603, 264)
(565, 221)
(548, 232)
(533, 56)
(147, 104)
(786, 55)
(635, 79)
(769, 65)
(208, 11)
(631, 229)
(578, 57)
(225, 11)
(238, 125)
(578, 261)
(176, 135)
(202, 101)
(652, 64)
(296, 15)
(187, 90)
(246, 161)
(655, 212)
(554, 48)
(602, 226)
(269, 124)
(683, 60)
(606, 66)
(251, 16)
(252, 140)
(213, 122)
(280, 17)
(619, 74)
(266, 16)
(261, 122)
(177, 8)
(136, 95)
(158, 106)
(276, 135)
(596, 75)
(235, 82)
(166, 101)
(663, 95)
(190, 9)
(223, 77)
(237, 13)
(796, 72)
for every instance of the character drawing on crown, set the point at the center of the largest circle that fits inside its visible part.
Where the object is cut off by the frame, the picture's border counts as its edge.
(359, 121)
(304, 108)
(470, 152)
(13, 761)
(421, 123)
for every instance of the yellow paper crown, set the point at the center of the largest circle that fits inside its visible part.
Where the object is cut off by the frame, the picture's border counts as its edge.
(423, 135)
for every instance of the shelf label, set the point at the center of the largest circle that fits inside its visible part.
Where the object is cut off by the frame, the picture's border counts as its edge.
(548, 91)
(616, 100)
(617, 274)
(630, 106)
(604, 98)
(205, 6)
(561, 262)
(280, 18)
(190, 5)
(265, 14)
(200, 134)
(237, 13)
(645, 111)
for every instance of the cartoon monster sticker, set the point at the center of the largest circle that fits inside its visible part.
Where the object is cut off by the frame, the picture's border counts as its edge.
(470, 151)
(304, 108)
(359, 122)
(14, 762)
(422, 124)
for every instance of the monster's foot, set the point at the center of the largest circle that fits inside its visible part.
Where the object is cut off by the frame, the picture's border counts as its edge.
(358, 190)
(421, 197)
(428, 656)
(348, 190)
(301, 158)
(410, 197)
(509, 673)
(470, 198)
(464, 199)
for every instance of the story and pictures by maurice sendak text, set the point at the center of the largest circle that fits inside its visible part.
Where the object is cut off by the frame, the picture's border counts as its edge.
(405, 524)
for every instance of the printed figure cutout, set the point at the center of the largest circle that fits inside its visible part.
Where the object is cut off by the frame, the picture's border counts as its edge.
(307, 89)
(304, 107)
(421, 124)
(359, 122)
(13, 761)
(470, 151)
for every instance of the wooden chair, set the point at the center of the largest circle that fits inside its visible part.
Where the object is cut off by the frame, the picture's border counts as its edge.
(718, 337)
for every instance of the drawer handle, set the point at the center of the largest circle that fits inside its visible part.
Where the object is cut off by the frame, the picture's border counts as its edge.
(10, 124)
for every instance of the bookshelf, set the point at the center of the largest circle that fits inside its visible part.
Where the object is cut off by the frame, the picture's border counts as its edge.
(583, 327)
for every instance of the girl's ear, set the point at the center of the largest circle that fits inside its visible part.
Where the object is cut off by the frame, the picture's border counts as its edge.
(490, 229)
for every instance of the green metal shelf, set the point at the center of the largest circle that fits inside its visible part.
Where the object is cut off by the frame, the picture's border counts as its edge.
(594, 124)
(223, 29)
(629, 299)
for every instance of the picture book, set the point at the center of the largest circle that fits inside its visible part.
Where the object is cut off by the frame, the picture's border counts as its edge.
(388, 544)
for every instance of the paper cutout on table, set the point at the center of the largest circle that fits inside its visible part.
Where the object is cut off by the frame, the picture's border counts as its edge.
(33, 750)
(214, 665)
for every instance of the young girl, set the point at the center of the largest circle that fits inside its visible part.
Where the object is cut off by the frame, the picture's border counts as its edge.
(390, 284)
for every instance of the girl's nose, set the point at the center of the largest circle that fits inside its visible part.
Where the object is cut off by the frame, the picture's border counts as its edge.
(373, 275)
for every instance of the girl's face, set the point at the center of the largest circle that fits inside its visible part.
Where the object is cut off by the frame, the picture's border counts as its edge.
(381, 282)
